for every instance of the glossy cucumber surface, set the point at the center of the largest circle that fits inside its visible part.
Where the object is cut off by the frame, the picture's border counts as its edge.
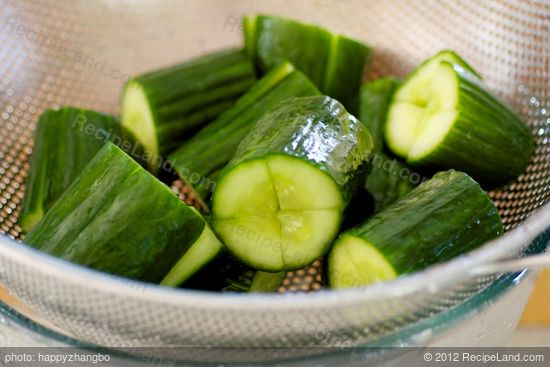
(443, 217)
(279, 203)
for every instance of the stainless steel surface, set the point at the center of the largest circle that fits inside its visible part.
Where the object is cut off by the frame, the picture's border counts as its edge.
(80, 52)
(536, 262)
(488, 319)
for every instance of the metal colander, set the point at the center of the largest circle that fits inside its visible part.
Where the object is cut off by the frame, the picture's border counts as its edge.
(70, 52)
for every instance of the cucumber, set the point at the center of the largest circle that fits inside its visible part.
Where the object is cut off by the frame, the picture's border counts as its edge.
(199, 160)
(64, 142)
(443, 217)
(118, 218)
(204, 250)
(161, 107)
(266, 282)
(389, 180)
(375, 98)
(443, 117)
(279, 202)
(334, 63)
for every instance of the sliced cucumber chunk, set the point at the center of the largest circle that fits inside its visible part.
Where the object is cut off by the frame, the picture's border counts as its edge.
(118, 218)
(164, 106)
(443, 117)
(334, 63)
(279, 203)
(443, 217)
(423, 111)
(64, 142)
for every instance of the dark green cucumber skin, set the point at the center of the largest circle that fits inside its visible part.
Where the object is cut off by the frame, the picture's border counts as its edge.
(375, 99)
(345, 69)
(315, 129)
(65, 141)
(271, 47)
(118, 218)
(443, 217)
(388, 180)
(189, 95)
(334, 63)
(488, 141)
(199, 160)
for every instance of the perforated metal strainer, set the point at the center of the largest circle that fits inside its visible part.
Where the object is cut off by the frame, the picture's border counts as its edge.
(79, 53)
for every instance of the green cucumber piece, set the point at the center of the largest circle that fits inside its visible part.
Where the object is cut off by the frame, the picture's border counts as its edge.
(204, 250)
(443, 117)
(443, 217)
(375, 98)
(161, 107)
(266, 282)
(199, 159)
(118, 218)
(279, 202)
(389, 180)
(65, 141)
(334, 63)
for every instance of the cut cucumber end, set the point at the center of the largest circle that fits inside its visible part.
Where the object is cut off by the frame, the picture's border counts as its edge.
(423, 111)
(254, 240)
(354, 262)
(30, 219)
(278, 212)
(137, 116)
(204, 250)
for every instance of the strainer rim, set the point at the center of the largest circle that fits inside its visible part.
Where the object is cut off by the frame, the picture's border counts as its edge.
(440, 275)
